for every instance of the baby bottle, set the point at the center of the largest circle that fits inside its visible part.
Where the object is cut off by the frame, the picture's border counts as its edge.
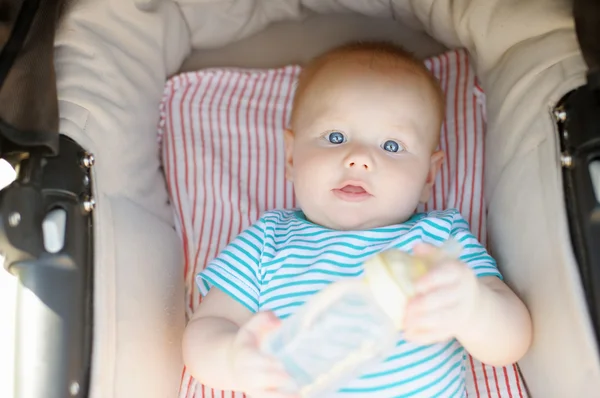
(350, 324)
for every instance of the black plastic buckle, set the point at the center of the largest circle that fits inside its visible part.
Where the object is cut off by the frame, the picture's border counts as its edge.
(578, 119)
(54, 299)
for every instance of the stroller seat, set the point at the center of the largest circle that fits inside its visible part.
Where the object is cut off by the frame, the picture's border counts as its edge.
(112, 61)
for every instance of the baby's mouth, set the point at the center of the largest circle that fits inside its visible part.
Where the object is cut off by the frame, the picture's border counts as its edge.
(353, 189)
(352, 193)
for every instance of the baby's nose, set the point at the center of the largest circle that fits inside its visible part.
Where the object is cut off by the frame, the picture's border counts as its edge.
(359, 161)
(364, 165)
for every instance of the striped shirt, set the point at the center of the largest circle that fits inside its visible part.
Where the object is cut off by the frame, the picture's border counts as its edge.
(279, 262)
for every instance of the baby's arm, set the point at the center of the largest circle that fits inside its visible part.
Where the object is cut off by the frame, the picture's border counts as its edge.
(208, 338)
(499, 332)
(220, 347)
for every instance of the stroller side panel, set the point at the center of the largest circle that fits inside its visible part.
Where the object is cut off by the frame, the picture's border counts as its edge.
(527, 213)
(112, 61)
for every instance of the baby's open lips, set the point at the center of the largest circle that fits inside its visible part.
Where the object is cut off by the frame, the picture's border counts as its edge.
(352, 190)
(355, 189)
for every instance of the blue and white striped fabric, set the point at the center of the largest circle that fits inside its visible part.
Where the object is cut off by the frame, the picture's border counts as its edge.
(278, 263)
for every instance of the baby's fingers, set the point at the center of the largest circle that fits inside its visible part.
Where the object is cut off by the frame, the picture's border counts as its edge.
(260, 325)
(424, 249)
(446, 274)
(434, 301)
(273, 381)
(264, 373)
(271, 384)
(431, 320)
(274, 394)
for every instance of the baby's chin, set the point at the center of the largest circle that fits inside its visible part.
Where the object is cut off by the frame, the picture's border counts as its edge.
(354, 221)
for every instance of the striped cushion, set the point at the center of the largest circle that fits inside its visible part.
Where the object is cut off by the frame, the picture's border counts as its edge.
(222, 149)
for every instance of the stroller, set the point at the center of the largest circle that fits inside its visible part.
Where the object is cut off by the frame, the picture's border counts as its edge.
(87, 228)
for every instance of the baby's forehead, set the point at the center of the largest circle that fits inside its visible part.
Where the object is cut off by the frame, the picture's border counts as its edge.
(358, 73)
(366, 64)
(342, 67)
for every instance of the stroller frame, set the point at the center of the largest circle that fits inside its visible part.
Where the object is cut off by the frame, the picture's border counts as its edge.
(52, 176)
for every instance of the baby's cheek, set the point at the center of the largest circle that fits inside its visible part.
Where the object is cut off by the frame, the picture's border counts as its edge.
(312, 165)
(404, 194)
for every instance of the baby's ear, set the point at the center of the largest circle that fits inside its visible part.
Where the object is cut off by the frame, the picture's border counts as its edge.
(437, 159)
(289, 151)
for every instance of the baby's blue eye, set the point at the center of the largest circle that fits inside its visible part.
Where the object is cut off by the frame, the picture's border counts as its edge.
(335, 137)
(392, 146)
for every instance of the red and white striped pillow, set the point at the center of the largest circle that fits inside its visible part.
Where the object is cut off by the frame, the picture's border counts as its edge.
(222, 148)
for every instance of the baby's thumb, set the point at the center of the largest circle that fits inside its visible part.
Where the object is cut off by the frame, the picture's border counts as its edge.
(449, 250)
(261, 324)
(424, 249)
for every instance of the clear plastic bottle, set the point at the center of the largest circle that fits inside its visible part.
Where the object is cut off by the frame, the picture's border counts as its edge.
(349, 325)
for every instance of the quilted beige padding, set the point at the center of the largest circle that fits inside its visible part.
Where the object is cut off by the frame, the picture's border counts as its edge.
(112, 61)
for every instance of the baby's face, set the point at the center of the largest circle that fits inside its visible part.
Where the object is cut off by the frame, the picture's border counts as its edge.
(362, 151)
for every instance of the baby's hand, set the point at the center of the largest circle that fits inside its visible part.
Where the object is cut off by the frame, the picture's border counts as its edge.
(254, 373)
(444, 303)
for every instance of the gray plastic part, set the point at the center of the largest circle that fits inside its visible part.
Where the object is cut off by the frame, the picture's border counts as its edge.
(53, 227)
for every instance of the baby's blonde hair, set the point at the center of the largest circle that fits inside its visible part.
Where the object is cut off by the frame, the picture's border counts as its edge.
(380, 52)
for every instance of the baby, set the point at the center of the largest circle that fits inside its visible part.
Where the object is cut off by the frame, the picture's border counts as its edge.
(362, 153)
